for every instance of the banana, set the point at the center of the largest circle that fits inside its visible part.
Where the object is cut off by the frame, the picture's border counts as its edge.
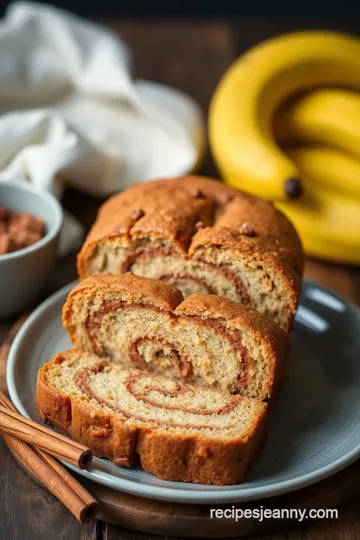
(328, 168)
(327, 216)
(328, 117)
(242, 108)
(328, 225)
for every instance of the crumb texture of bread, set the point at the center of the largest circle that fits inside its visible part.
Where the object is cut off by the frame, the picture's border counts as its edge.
(201, 236)
(205, 340)
(180, 432)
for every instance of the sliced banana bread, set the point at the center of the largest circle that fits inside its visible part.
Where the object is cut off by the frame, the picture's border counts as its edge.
(179, 432)
(205, 340)
(201, 236)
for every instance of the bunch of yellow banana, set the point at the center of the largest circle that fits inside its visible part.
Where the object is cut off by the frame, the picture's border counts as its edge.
(285, 124)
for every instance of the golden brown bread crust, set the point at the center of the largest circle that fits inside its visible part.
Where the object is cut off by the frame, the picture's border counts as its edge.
(155, 292)
(193, 213)
(171, 208)
(204, 306)
(170, 456)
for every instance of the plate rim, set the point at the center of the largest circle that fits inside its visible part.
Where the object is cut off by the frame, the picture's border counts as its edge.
(226, 494)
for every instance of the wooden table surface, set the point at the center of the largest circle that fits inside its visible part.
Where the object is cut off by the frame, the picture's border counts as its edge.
(191, 56)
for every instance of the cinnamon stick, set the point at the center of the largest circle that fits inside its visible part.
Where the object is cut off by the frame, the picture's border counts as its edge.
(52, 475)
(51, 442)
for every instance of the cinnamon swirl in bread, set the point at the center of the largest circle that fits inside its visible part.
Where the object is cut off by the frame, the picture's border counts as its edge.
(201, 236)
(180, 432)
(205, 340)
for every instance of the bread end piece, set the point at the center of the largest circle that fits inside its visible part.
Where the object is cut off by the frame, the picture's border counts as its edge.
(170, 456)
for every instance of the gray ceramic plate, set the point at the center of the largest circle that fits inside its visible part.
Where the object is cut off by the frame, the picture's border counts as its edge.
(314, 430)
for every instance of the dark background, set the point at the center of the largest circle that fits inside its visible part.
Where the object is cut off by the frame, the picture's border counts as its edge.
(206, 8)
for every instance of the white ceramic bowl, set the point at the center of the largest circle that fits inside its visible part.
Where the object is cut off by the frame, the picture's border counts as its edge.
(24, 273)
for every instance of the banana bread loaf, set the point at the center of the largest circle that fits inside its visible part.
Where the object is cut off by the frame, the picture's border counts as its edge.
(205, 340)
(179, 432)
(201, 236)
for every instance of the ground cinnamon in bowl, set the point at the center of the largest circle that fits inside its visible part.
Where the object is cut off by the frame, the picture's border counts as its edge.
(19, 230)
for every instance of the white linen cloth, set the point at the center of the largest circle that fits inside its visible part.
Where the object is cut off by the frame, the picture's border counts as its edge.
(70, 111)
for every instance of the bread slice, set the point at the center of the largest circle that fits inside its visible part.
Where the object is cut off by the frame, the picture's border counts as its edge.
(205, 340)
(180, 432)
(201, 236)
